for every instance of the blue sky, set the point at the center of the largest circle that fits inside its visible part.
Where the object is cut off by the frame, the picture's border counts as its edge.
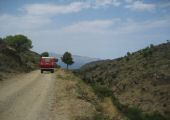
(96, 28)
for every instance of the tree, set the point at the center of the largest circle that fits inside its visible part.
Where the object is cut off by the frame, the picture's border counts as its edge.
(67, 59)
(147, 52)
(151, 46)
(45, 54)
(1, 41)
(128, 54)
(19, 42)
(127, 58)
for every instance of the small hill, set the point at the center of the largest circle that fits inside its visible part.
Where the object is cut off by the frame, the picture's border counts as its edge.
(79, 61)
(11, 61)
(140, 79)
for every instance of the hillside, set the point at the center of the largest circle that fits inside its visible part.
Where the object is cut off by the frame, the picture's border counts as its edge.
(79, 61)
(11, 61)
(139, 80)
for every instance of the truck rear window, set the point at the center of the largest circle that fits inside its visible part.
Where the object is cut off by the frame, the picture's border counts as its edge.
(47, 60)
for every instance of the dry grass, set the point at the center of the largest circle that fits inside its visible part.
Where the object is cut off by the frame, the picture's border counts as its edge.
(68, 105)
(77, 100)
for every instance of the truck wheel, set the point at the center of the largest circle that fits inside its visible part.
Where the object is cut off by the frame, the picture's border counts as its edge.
(52, 71)
(41, 71)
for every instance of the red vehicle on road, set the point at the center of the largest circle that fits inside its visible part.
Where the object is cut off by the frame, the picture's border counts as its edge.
(47, 64)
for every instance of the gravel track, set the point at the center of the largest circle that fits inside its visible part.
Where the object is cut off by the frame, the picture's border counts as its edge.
(27, 96)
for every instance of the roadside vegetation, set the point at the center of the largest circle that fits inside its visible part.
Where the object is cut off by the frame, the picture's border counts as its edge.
(82, 101)
(16, 55)
(138, 83)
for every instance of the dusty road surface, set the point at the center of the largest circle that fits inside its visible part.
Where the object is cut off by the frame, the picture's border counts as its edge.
(27, 96)
(57, 96)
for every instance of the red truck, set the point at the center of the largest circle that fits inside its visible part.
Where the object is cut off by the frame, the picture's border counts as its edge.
(47, 64)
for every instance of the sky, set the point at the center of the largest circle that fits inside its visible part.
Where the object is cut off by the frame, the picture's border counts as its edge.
(105, 29)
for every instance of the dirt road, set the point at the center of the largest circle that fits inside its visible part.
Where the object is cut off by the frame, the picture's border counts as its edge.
(57, 96)
(27, 96)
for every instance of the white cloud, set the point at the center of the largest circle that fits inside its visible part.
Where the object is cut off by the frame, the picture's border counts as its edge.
(99, 3)
(132, 27)
(39, 16)
(117, 26)
(54, 9)
(14, 24)
(140, 6)
(94, 26)
(51, 9)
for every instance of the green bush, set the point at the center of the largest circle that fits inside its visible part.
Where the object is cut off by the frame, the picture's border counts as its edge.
(147, 52)
(151, 46)
(96, 116)
(100, 116)
(102, 91)
(133, 113)
(45, 54)
(128, 53)
(127, 58)
(19, 42)
(1, 41)
(117, 103)
(154, 116)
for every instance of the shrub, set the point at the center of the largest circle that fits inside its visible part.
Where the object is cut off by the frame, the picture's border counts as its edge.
(128, 54)
(119, 59)
(1, 41)
(147, 52)
(19, 42)
(127, 58)
(102, 91)
(100, 116)
(151, 46)
(45, 54)
(154, 116)
(133, 113)
(96, 116)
